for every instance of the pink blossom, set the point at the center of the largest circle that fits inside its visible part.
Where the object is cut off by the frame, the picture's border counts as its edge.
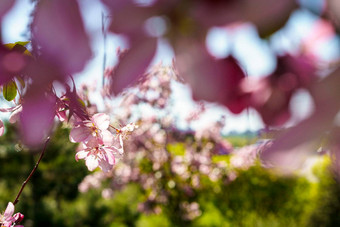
(95, 127)
(97, 155)
(7, 219)
(122, 134)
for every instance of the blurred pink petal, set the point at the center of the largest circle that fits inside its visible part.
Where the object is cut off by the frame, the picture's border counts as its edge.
(210, 79)
(11, 63)
(128, 18)
(133, 64)
(217, 13)
(38, 68)
(36, 119)
(267, 15)
(271, 95)
(200, 70)
(2, 128)
(58, 29)
(5, 6)
(290, 150)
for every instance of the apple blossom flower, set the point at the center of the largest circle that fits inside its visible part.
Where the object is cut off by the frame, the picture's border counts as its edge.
(7, 219)
(97, 154)
(96, 127)
(123, 133)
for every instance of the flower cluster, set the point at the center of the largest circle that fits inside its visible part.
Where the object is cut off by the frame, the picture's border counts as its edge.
(167, 160)
(98, 145)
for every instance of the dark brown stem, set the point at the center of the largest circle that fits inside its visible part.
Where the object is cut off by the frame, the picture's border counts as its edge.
(32, 172)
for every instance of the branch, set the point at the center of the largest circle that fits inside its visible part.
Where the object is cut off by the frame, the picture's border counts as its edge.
(104, 46)
(32, 172)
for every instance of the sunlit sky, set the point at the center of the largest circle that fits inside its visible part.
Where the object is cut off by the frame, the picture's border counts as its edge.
(253, 53)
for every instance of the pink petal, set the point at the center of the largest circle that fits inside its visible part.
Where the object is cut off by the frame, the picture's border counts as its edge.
(105, 166)
(107, 162)
(101, 120)
(61, 115)
(109, 154)
(63, 39)
(9, 210)
(129, 19)
(18, 218)
(91, 162)
(92, 142)
(2, 128)
(36, 119)
(11, 62)
(5, 5)
(107, 137)
(200, 70)
(121, 149)
(210, 79)
(133, 64)
(81, 154)
(15, 115)
(79, 134)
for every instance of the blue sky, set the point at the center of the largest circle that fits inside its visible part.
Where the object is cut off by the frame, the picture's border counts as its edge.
(254, 54)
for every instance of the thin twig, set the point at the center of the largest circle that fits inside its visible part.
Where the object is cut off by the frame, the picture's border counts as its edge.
(104, 46)
(32, 172)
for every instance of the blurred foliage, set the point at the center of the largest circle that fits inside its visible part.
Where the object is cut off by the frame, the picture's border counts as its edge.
(256, 197)
(240, 140)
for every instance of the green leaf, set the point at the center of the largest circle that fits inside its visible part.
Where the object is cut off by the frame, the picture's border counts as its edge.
(10, 91)
(21, 43)
(19, 46)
